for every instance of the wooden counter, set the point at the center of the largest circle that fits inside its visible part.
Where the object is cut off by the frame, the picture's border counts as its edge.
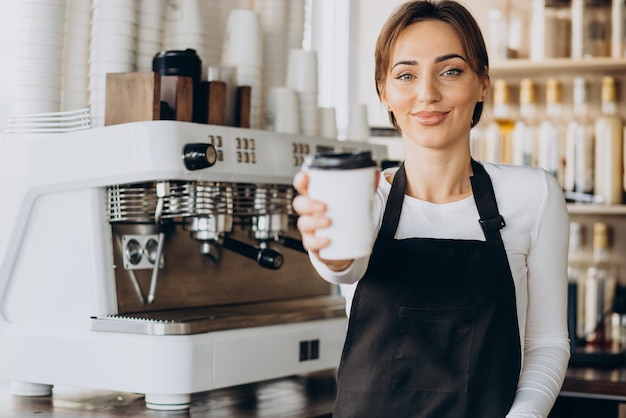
(599, 392)
(310, 396)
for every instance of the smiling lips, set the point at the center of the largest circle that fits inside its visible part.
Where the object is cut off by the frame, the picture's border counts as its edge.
(430, 118)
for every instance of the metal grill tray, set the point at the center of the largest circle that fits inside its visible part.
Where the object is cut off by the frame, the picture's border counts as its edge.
(217, 318)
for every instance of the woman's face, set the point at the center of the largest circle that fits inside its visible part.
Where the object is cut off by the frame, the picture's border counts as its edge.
(430, 87)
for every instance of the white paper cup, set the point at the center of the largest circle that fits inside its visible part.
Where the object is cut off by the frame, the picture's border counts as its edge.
(302, 70)
(358, 125)
(345, 183)
(281, 111)
(328, 122)
(242, 39)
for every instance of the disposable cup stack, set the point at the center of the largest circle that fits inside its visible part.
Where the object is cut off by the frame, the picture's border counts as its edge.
(302, 77)
(75, 76)
(273, 15)
(184, 28)
(150, 32)
(112, 49)
(213, 33)
(242, 49)
(328, 122)
(295, 23)
(39, 62)
(282, 110)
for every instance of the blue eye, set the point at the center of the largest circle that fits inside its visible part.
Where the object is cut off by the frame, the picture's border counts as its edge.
(404, 76)
(453, 72)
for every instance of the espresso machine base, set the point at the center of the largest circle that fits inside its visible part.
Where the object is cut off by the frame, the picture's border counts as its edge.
(168, 369)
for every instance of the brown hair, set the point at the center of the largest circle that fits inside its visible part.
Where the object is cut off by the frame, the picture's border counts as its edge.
(448, 11)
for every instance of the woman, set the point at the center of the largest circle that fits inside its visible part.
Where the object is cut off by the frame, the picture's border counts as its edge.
(460, 311)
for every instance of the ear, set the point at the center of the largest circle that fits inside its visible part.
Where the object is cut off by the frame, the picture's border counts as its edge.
(382, 95)
(484, 90)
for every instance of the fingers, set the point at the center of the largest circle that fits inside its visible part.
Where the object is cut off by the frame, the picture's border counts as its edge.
(301, 182)
(312, 215)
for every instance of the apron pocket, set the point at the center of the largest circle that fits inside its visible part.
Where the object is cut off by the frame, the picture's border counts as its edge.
(433, 349)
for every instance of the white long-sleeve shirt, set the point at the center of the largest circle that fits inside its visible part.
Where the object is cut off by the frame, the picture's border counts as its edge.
(536, 241)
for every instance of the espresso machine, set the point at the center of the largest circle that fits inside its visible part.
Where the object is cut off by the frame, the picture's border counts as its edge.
(159, 258)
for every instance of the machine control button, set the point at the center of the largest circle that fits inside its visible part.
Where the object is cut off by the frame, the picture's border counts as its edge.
(133, 252)
(199, 156)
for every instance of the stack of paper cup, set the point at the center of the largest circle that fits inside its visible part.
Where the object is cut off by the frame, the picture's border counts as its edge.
(150, 28)
(302, 77)
(273, 14)
(184, 28)
(242, 49)
(112, 49)
(213, 33)
(358, 125)
(295, 25)
(75, 76)
(39, 56)
(328, 122)
(281, 111)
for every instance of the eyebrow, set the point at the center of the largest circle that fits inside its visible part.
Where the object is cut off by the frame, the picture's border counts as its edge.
(439, 59)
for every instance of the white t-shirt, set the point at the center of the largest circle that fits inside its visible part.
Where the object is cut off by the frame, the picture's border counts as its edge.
(536, 241)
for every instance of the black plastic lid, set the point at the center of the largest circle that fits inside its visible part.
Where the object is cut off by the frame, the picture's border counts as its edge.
(339, 160)
(185, 63)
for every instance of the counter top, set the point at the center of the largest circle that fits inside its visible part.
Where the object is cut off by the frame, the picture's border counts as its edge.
(309, 396)
(594, 382)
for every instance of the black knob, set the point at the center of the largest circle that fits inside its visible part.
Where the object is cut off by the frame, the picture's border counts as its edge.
(270, 259)
(199, 156)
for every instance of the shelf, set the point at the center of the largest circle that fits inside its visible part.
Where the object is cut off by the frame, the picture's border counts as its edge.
(591, 209)
(528, 68)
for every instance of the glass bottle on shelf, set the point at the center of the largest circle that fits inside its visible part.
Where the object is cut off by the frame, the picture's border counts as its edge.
(551, 148)
(580, 143)
(525, 131)
(498, 133)
(591, 24)
(575, 288)
(552, 29)
(618, 29)
(600, 283)
(609, 137)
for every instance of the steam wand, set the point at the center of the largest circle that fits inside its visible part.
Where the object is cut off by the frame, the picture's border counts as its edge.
(162, 190)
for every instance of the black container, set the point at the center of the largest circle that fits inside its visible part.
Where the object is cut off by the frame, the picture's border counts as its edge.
(180, 63)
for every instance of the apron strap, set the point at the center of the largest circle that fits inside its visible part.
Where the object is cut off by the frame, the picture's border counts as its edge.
(391, 217)
(490, 219)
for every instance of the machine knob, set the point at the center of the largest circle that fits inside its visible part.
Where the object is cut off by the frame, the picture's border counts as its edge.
(199, 156)
(270, 259)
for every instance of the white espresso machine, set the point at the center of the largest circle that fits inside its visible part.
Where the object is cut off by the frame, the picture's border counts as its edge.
(159, 258)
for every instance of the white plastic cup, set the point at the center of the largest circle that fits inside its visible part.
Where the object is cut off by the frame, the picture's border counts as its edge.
(345, 183)
(302, 70)
(242, 39)
(281, 111)
(328, 122)
(358, 125)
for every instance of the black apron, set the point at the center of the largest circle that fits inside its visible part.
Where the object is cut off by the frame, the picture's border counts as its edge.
(433, 328)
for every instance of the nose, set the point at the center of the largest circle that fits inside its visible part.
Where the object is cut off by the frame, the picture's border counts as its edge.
(428, 90)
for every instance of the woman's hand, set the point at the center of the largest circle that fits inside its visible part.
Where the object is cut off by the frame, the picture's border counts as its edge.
(312, 216)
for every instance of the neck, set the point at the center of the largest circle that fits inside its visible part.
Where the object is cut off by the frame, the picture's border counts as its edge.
(439, 177)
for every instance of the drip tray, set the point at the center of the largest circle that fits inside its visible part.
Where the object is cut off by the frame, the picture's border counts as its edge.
(222, 317)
